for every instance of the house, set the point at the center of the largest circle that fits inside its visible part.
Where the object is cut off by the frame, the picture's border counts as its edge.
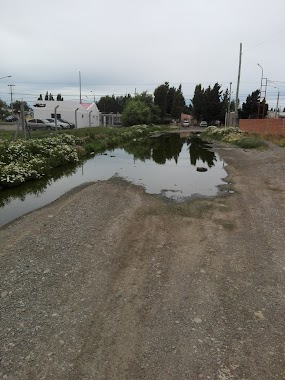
(185, 116)
(81, 114)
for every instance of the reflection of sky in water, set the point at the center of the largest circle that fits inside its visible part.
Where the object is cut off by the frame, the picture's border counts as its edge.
(174, 181)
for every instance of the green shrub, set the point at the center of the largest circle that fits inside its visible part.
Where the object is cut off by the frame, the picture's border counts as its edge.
(250, 143)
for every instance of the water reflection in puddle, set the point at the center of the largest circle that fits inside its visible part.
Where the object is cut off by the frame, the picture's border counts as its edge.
(174, 167)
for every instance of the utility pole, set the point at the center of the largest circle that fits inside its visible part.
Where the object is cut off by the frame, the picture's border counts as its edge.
(238, 82)
(11, 93)
(229, 106)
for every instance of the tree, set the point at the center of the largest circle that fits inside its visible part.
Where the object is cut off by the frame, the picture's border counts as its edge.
(170, 101)
(2, 104)
(154, 109)
(249, 109)
(177, 104)
(17, 106)
(198, 102)
(109, 104)
(136, 112)
(210, 104)
(3, 109)
(160, 99)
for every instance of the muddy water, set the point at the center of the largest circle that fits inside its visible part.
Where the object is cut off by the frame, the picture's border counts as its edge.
(177, 168)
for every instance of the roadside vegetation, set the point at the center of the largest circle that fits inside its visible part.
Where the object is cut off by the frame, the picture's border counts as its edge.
(24, 160)
(234, 136)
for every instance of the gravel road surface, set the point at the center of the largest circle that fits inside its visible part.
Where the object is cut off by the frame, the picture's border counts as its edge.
(111, 283)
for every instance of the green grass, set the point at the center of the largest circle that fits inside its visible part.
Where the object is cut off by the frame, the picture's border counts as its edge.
(251, 143)
(91, 133)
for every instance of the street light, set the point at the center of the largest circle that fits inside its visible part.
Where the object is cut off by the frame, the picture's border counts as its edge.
(261, 70)
(8, 76)
(93, 95)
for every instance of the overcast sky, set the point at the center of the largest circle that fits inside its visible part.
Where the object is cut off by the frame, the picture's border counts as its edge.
(129, 45)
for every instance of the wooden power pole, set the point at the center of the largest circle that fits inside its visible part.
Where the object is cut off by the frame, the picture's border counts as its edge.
(238, 82)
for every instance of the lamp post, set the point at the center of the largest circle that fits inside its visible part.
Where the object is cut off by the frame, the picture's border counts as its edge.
(93, 96)
(277, 103)
(261, 71)
(7, 76)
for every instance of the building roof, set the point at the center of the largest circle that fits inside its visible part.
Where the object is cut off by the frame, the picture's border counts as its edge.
(64, 105)
(86, 105)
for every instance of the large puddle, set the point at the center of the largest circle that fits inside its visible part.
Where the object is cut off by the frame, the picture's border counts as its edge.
(175, 167)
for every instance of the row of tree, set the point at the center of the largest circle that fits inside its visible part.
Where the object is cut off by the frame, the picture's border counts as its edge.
(167, 103)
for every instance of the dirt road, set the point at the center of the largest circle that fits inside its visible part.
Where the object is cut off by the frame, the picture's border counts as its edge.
(111, 283)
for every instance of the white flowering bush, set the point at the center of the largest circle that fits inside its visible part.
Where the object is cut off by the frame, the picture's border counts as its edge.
(234, 136)
(228, 135)
(220, 133)
(21, 160)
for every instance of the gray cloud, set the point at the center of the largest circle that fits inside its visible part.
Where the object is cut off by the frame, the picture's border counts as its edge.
(120, 46)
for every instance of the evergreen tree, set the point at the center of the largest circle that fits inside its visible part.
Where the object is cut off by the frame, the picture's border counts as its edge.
(178, 104)
(170, 101)
(108, 104)
(160, 99)
(249, 109)
(198, 102)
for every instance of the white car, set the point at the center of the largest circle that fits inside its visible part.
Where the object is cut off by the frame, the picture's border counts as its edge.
(203, 124)
(41, 124)
(185, 123)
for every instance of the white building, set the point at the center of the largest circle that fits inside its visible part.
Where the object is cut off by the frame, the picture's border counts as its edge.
(81, 114)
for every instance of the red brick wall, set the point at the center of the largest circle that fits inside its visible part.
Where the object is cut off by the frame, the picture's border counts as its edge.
(263, 126)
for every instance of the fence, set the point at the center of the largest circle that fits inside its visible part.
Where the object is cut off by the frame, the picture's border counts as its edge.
(263, 126)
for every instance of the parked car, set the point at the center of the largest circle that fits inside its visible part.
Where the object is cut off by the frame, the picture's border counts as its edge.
(185, 123)
(203, 124)
(11, 118)
(71, 125)
(41, 124)
(60, 123)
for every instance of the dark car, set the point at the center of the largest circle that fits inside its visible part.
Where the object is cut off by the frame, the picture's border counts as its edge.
(11, 118)
(60, 123)
(71, 125)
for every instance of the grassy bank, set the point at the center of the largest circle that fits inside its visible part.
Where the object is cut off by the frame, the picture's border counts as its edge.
(24, 160)
(233, 136)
